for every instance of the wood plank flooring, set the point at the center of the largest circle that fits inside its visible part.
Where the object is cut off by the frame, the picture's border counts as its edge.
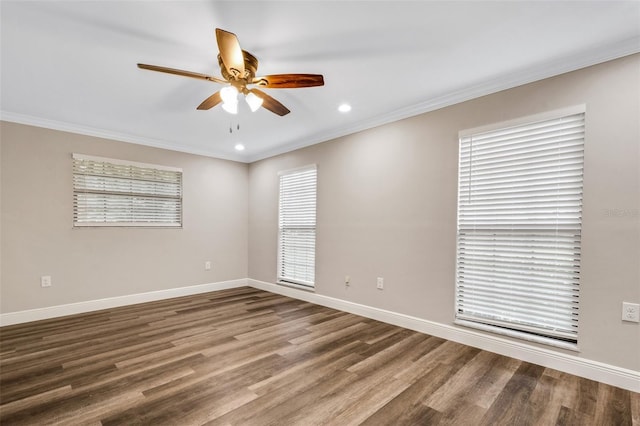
(248, 357)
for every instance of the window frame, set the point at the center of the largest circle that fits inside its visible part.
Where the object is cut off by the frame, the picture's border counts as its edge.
(281, 278)
(79, 188)
(521, 331)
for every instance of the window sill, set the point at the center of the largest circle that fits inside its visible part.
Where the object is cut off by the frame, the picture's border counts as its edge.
(518, 335)
(297, 286)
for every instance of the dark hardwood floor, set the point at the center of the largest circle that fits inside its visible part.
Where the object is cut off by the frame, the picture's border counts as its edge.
(248, 357)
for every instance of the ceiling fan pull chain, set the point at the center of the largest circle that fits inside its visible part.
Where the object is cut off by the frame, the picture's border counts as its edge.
(231, 126)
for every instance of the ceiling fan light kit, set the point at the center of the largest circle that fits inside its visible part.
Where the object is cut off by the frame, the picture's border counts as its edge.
(253, 101)
(238, 68)
(231, 108)
(229, 96)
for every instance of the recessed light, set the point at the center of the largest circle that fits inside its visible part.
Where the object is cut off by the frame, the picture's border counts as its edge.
(344, 108)
(239, 147)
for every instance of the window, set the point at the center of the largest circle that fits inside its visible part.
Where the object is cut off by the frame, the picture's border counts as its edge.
(109, 192)
(519, 229)
(297, 226)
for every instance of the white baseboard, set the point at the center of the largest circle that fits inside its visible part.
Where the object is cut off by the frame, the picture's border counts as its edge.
(20, 317)
(594, 370)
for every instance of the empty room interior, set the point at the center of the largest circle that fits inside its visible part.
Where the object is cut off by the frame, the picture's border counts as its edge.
(304, 213)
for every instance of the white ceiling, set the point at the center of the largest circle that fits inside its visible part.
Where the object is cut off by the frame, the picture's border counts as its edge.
(71, 65)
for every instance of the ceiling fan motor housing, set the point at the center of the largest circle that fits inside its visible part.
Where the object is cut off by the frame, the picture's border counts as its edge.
(250, 68)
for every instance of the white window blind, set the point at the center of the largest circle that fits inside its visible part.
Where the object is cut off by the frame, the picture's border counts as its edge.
(297, 226)
(519, 229)
(108, 192)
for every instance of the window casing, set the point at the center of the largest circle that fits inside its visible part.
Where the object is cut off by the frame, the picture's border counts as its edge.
(519, 228)
(109, 192)
(297, 226)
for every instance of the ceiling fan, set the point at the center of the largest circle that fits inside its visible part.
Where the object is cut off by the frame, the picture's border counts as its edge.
(238, 68)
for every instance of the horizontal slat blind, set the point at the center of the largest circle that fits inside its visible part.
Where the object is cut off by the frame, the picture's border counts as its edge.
(297, 226)
(117, 193)
(519, 228)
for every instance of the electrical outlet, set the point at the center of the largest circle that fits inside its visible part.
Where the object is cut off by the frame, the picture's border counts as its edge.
(347, 280)
(207, 265)
(630, 312)
(380, 283)
(45, 281)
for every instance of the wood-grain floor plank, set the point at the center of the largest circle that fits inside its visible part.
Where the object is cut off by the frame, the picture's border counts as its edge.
(510, 406)
(408, 407)
(248, 357)
(273, 408)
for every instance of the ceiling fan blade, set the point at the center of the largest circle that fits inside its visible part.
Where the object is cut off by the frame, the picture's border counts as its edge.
(270, 103)
(182, 73)
(210, 102)
(289, 81)
(230, 52)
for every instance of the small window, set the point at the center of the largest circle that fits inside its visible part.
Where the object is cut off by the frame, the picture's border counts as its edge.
(519, 228)
(108, 192)
(297, 227)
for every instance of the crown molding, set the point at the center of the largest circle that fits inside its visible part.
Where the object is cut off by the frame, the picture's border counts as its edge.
(63, 126)
(548, 69)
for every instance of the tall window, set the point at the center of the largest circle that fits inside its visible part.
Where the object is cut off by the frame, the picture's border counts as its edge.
(297, 226)
(109, 192)
(519, 227)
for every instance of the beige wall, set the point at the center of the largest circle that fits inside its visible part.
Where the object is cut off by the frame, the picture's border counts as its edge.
(93, 263)
(387, 205)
